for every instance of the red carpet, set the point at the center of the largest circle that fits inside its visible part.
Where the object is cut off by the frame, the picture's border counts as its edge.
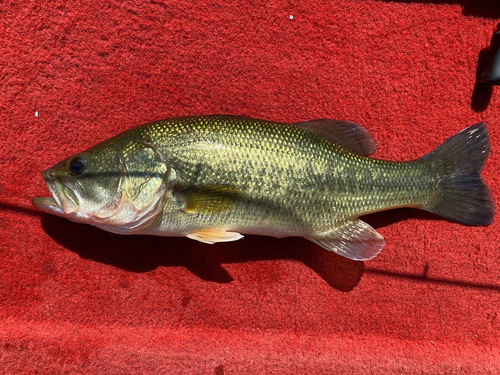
(77, 299)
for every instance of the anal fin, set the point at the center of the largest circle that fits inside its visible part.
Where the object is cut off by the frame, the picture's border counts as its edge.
(355, 240)
(212, 236)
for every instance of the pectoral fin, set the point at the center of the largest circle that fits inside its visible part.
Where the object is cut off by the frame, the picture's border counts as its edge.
(208, 199)
(212, 236)
(355, 240)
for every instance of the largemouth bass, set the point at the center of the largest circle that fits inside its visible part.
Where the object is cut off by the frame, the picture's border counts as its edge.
(214, 178)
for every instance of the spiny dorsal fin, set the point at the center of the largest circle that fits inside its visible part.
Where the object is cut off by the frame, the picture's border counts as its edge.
(352, 136)
(208, 199)
(355, 240)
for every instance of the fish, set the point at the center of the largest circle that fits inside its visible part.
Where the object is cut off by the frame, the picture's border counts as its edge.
(214, 178)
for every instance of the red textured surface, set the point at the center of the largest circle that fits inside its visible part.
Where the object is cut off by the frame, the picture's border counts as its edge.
(76, 299)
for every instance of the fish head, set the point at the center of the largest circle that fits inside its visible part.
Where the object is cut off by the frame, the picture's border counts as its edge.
(118, 187)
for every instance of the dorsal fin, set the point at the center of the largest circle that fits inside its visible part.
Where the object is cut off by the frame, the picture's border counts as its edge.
(352, 136)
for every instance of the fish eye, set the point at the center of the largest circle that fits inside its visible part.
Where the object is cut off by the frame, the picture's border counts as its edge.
(77, 164)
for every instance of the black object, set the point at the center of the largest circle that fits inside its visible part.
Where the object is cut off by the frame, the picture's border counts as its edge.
(491, 72)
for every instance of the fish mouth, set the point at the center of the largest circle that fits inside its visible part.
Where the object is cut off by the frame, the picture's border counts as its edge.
(47, 204)
(63, 200)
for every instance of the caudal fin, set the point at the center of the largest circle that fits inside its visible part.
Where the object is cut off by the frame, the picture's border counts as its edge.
(462, 194)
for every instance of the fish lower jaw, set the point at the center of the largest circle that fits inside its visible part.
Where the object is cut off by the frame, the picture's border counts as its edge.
(52, 206)
(48, 204)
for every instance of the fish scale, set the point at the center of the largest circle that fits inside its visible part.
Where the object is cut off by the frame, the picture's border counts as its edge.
(291, 167)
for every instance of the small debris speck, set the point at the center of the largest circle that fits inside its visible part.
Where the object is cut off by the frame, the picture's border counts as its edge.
(36, 114)
(291, 17)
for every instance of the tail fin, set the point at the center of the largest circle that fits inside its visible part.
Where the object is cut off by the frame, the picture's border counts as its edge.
(462, 194)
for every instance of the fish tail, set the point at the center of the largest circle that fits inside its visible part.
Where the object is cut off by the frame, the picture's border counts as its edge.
(461, 193)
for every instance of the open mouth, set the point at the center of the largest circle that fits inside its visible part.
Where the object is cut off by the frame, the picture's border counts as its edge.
(63, 200)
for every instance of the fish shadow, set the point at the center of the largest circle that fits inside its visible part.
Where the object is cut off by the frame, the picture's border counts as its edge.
(146, 253)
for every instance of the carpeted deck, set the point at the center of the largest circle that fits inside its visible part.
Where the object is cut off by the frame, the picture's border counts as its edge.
(76, 299)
